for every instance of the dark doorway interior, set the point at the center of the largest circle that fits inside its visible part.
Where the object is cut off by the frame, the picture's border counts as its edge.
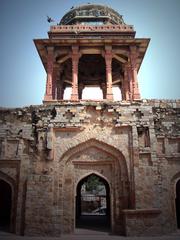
(178, 203)
(93, 204)
(5, 205)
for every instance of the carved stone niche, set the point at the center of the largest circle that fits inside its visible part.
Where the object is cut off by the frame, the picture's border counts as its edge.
(143, 136)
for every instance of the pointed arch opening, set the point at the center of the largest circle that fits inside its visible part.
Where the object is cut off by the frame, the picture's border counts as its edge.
(178, 203)
(107, 162)
(93, 203)
(5, 205)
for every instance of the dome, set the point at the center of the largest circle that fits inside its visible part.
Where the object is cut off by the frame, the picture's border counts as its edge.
(91, 14)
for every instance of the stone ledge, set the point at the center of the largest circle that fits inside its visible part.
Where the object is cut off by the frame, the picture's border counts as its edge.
(156, 103)
(142, 222)
(141, 211)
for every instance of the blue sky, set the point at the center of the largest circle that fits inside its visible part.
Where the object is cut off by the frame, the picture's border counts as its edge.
(22, 78)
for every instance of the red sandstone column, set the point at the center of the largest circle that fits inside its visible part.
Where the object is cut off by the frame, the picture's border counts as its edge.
(49, 82)
(133, 62)
(54, 81)
(108, 59)
(60, 87)
(126, 83)
(75, 61)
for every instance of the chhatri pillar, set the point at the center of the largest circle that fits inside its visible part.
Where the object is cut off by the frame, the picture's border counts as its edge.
(126, 83)
(133, 62)
(54, 80)
(75, 60)
(108, 59)
(49, 81)
(59, 85)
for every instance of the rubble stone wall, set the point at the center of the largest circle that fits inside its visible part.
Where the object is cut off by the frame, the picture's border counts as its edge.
(46, 150)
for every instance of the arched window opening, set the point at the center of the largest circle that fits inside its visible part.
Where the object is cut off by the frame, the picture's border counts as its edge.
(92, 93)
(178, 203)
(93, 203)
(5, 205)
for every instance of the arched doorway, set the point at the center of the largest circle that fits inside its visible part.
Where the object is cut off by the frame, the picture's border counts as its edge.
(93, 203)
(5, 205)
(105, 161)
(178, 203)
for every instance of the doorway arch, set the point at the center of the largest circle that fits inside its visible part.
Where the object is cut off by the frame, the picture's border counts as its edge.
(93, 203)
(178, 203)
(5, 205)
(8, 190)
(104, 160)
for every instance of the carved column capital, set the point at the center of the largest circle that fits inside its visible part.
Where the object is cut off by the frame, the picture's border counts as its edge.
(75, 54)
(108, 55)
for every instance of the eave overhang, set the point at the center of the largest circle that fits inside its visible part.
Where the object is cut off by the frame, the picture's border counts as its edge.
(140, 43)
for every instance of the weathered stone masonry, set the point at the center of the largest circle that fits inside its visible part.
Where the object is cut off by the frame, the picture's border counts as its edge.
(133, 145)
(46, 150)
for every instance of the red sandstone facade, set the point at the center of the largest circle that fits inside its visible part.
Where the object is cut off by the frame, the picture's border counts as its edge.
(116, 44)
